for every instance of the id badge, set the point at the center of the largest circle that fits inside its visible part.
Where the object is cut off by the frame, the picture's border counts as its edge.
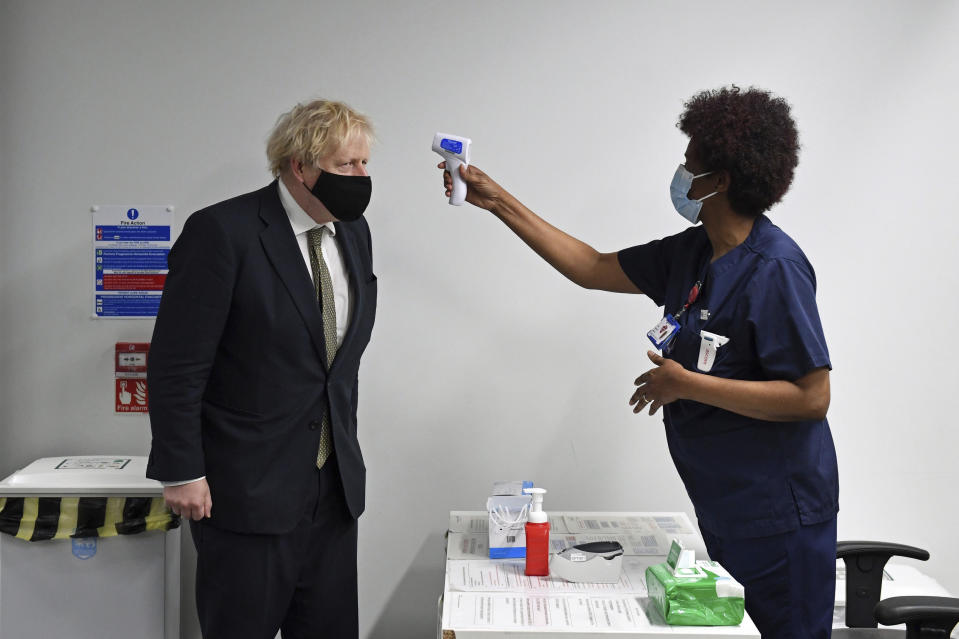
(663, 332)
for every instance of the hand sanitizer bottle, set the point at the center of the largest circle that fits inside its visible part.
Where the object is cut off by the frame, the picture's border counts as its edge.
(537, 536)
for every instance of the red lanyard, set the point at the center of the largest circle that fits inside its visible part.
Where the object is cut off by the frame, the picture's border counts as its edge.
(693, 294)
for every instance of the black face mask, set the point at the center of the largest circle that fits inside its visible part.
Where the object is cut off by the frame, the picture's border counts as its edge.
(345, 196)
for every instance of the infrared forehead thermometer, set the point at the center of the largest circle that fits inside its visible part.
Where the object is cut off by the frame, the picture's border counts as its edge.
(455, 149)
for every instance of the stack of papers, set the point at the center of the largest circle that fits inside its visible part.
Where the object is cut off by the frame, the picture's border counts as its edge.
(491, 596)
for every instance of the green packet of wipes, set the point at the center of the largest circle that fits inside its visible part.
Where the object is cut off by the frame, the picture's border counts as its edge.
(704, 594)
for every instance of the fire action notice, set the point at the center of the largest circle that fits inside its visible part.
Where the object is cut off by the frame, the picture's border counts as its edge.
(130, 248)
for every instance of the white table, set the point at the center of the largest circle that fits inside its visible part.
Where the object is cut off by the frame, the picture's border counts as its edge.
(487, 599)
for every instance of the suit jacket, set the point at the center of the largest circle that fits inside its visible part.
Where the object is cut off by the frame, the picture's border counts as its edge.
(237, 370)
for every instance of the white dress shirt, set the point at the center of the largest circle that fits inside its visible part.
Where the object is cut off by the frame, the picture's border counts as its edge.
(301, 223)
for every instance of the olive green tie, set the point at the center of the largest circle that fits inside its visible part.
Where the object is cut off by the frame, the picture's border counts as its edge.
(323, 287)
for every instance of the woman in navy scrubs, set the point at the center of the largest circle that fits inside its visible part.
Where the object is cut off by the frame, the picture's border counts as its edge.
(743, 379)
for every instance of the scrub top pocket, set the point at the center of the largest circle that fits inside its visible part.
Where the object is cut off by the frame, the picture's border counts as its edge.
(688, 351)
(710, 345)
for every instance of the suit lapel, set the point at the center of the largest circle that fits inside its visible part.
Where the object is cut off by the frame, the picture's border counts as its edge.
(354, 267)
(281, 249)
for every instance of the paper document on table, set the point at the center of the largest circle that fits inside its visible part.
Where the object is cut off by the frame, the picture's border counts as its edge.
(497, 575)
(467, 546)
(469, 521)
(603, 523)
(583, 614)
(507, 611)
(671, 524)
(667, 523)
(557, 525)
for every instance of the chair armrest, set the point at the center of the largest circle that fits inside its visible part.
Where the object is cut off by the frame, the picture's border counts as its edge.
(847, 548)
(865, 561)
(923, 616)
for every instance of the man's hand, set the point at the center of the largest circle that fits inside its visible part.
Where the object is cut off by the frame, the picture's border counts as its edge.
(190, 501)
(658, 386)
(481, 191)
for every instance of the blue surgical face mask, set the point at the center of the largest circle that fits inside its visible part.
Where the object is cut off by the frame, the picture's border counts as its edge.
(679, 193)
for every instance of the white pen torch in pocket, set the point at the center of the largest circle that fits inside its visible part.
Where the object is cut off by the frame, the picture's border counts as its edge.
(709, 344)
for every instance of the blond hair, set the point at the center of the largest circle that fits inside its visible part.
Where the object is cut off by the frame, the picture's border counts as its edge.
(309, 132)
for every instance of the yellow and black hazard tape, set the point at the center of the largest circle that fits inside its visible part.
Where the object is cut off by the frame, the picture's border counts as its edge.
(42, 518)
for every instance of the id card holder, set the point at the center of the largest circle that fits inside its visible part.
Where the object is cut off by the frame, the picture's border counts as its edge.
(661, 334)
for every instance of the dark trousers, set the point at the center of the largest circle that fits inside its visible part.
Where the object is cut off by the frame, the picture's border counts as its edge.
(302, 582)
(790, 579)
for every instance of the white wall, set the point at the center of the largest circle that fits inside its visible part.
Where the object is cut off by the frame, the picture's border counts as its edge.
(484, 363)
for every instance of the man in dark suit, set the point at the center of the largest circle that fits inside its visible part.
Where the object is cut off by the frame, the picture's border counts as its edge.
(253, 373)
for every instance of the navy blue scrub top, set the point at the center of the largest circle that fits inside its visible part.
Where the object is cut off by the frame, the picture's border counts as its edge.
(746, 477)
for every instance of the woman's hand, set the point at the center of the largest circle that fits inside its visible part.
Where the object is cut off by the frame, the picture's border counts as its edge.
(481, 191)
(775, 400)
(658, 386)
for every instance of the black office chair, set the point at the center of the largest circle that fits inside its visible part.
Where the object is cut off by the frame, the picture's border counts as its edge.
(925, 617)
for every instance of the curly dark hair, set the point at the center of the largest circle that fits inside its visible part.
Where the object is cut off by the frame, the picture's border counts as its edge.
(750, 134)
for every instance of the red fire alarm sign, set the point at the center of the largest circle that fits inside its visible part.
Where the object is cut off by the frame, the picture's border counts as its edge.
(131, 395)
(130, 373)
